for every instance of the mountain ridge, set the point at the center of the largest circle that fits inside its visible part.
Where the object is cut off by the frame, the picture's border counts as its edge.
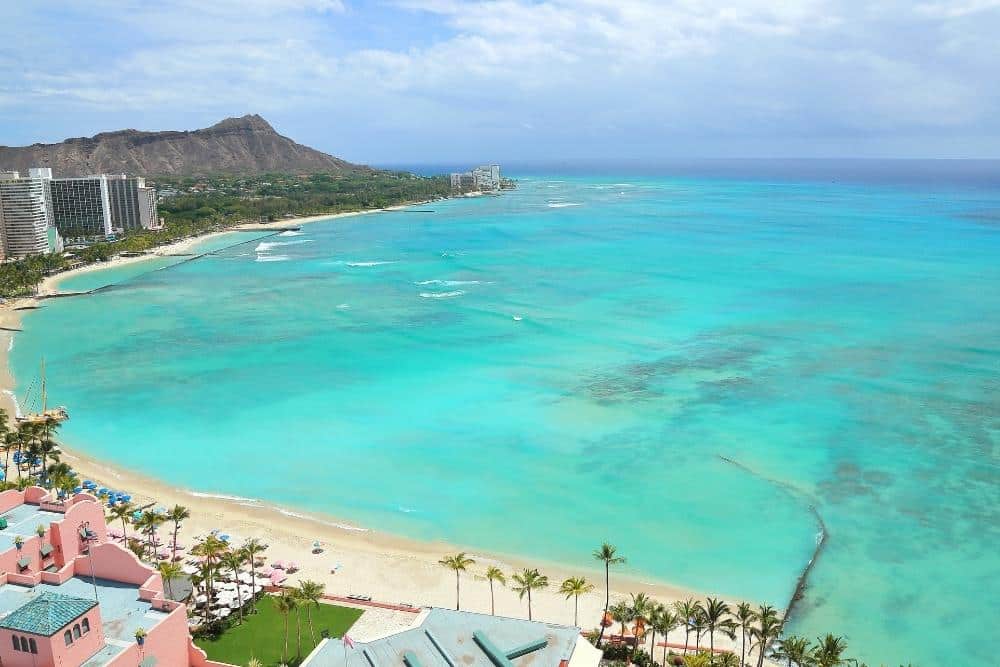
(246, 144)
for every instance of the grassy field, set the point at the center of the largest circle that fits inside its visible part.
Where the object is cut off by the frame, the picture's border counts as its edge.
(262, 635)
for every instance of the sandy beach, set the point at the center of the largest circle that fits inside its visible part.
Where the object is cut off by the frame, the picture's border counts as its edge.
(355, 559)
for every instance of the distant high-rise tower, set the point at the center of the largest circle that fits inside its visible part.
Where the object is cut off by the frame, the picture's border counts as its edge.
(130, 199)
(81, 207)
(24, 216)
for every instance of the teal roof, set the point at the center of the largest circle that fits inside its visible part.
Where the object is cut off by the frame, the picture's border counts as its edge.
(47, 614)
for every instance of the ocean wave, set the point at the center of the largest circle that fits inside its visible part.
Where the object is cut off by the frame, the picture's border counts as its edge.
(17, 405)
(343, 306)
(267, 246)
(272, 258)
(223, 496)
(405, 510)
(335, 524)
(256, 502)
(562, 204)
(367, 264)
(290, 233)
(441, 295)
(449, 283)
(10, 345)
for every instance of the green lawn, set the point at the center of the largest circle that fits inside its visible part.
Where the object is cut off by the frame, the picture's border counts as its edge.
(262, 634)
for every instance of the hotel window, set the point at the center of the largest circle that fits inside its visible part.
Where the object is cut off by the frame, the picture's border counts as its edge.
(17, 644)
(24, 645)
(34, 646)
(76, 631)
(68, 637)
(86, 626)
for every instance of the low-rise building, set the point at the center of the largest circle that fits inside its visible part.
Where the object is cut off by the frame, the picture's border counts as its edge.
(71, 598)
(448, 637)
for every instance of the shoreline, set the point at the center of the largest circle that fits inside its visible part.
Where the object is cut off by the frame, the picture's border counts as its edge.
(355, 560)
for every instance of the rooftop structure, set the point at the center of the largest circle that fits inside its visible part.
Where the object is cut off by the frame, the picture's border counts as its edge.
(453, 638)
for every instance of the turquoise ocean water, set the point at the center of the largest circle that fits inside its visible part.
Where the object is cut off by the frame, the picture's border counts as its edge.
(569, 363)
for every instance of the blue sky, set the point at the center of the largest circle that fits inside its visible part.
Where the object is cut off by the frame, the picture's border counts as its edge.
(410, 81)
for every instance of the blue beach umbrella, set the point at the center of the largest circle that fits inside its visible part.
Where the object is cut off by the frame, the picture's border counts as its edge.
(77, 489)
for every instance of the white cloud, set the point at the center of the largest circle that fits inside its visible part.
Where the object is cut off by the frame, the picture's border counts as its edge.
(667, 69)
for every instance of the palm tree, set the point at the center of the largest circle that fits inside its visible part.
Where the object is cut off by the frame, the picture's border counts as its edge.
(666, 622)
(206, 572)
(726, 660)
(745, 618)
(716, 613)
(829, 651)
(253, 547)
(794, 649)
(688, 610)
(177, 514)
(494, 573)
(642, 607)
(47, 449)
(148, 522)
(767, 630)
(211, 549)
(607, 554)
(699, 625)
(655, 611)
(234, 561)
(700, 659)
(526, 581)
(574, 587)
(169, 572)
(309, 593)
(285, 604)
(621, 612)
(459, 563)
(121, 511)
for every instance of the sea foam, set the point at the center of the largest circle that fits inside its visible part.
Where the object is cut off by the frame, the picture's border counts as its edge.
(562, 204)
(367, 264)
(441, 295)
(449, 283)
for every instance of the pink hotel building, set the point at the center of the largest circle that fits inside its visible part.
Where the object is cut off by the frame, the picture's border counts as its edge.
(70, 598)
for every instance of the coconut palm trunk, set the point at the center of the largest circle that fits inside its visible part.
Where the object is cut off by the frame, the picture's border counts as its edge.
(493, 608)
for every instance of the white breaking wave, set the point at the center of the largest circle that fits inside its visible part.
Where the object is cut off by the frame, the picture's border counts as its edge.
(267, 246)
(272, 258)
(366, 264)
(10, 345)
(562, 204)
(223, 496)
(290, 233)
(17, 406)
(342, 306)
(342, 526)
(449, 283)
(441, 295)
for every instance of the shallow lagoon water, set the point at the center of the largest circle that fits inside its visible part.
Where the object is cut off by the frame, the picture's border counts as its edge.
(575, 362)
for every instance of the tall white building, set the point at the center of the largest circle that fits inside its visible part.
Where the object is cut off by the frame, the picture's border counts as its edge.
(24, 214)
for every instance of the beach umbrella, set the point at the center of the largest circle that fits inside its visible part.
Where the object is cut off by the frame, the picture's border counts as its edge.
(224, 538)
(77, 489)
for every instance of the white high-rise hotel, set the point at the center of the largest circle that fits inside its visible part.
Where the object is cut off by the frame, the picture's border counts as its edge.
(25, 214)
(36, 211)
